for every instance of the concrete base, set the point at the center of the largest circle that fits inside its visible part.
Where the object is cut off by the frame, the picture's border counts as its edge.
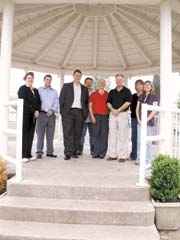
(41, 231)
(80, 199)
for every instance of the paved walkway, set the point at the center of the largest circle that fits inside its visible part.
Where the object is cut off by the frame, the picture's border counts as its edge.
(85, 169)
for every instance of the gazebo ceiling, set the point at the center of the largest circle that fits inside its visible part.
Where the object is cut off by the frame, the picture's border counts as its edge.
(94, 37)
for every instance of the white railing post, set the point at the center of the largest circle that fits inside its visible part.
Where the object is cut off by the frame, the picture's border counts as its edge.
(166, 72)
(19, 140)
(143, 141)
(5, 64)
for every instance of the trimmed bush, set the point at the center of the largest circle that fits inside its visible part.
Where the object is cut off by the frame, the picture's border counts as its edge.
(165, 179)
(3, 174)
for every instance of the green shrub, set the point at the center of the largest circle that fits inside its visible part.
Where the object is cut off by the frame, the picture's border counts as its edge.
(165, 179)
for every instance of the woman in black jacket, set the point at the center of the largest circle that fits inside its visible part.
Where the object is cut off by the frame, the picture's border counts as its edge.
(32, 106)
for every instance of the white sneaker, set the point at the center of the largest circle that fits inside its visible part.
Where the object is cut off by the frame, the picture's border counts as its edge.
(32, 159)
(25, 160)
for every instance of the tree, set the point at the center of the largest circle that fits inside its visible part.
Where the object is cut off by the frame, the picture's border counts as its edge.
(156, 83)
(178, 101)
(107, 79)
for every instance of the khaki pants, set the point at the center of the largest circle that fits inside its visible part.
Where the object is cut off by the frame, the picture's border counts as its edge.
(118, 135)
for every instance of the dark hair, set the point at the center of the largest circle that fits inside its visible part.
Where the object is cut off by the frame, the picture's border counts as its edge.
(47, 75)
(77, 71)
(119, 75)
(88, 78)
(27, 74)
(139, 81)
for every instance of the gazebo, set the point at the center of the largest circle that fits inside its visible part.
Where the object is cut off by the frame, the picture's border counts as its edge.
(132, 37)
(99, 37)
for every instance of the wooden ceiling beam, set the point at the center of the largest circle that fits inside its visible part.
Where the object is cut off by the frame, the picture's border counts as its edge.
(46, 47)
(74, 41)
(115, 42)
(95, 42)
(39, 30)
(149, 32)
(133, 38)
(38, 19)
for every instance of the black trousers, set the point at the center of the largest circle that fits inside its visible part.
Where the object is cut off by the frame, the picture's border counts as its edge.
(72, 130)
(27, 134)
(100, 133)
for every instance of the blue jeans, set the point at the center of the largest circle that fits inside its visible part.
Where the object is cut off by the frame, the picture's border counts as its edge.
(134, 138)
(150, 132)
(87, 125)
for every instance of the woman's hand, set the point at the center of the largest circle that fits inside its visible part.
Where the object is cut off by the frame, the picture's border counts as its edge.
(93, 119)
(139, 122)
(36, 114)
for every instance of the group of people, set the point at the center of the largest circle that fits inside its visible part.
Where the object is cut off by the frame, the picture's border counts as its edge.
(104, 114)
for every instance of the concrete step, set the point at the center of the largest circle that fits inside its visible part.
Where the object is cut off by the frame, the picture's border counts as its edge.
(45, 190)
(10, 230)
(76, 211)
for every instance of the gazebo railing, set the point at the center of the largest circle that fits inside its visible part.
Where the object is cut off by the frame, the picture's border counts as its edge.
(17, 133)
(157, 137)
(144, 139)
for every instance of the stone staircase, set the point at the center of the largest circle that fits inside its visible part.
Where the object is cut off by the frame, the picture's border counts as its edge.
(49, 211)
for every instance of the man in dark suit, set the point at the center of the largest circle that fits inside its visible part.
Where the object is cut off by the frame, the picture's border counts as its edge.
(73, 102)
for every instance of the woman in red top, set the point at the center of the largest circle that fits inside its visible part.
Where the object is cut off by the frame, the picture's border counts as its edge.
(99, 116)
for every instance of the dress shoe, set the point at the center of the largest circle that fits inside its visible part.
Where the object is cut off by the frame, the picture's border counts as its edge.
(74, 155)
(51, 155)
(67, 157)
(111, 159)
(39, 156)
(79, 152)
(101, 157)
(121, 160)
(92, 150)
(95, 156)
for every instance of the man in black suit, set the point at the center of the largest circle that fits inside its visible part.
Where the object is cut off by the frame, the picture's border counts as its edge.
(73, 102)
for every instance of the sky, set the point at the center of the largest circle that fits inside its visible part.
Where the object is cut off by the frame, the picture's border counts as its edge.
(17, 80)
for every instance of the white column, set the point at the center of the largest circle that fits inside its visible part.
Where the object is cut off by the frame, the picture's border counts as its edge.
(59, 123)
(165, 72)
(5, 65)
(62, 75)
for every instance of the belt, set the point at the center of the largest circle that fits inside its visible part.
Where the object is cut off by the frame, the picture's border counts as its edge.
(122, 111)
(76, 108)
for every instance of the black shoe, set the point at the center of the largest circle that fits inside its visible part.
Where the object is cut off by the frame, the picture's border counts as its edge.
(51, 155)
(95, 156)
(101, 157)
(39, 156)
(79, 152)
(74, 155)
(67, 157)
(92, 149)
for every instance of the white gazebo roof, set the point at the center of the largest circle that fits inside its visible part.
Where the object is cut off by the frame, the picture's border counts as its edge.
(93, 37)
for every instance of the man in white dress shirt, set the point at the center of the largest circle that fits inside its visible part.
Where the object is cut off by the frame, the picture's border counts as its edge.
(73, 102)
